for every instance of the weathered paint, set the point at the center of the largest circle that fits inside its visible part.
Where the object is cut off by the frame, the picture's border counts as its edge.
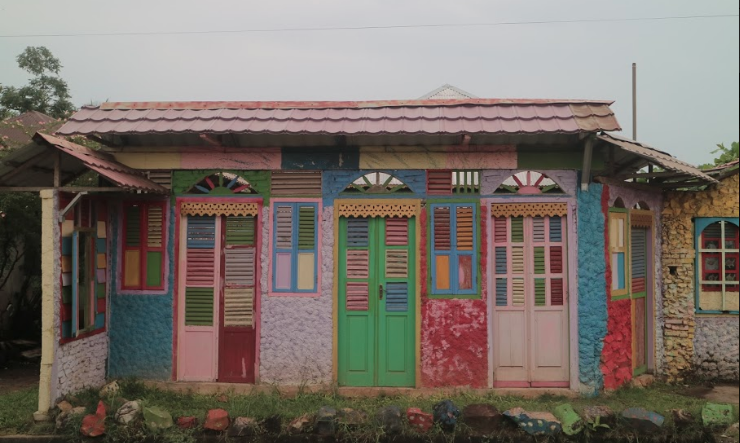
(454, 332)
(296, 332)
(333, 184)
(687, 348)
(452, 157)
(232, 158)
(140, 324)
(149, 161)
(321, 158)
(50, 277)
(592, 309)
(532, 157)
(492, 179)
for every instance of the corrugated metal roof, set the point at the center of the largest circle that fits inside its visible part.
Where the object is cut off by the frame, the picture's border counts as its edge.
(78, 159)
(470, 116)
(663, 159)
(17, 131)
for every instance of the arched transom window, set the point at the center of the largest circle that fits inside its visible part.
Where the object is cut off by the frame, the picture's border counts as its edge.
(529, 183)
(222, 183)
(377, 183)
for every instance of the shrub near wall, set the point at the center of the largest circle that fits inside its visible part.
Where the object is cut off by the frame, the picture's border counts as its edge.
(688, 345)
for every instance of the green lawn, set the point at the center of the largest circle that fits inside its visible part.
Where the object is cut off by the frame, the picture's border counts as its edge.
(16, 408)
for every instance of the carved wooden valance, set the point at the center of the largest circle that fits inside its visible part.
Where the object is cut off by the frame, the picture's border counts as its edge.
(529, 210)
(377, 210)
(203, 208)
(641, 219)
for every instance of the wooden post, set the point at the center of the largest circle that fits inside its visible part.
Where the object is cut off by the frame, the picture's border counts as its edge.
(57, 169)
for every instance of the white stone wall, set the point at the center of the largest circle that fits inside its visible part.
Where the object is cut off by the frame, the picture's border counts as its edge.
(716, 348)
(82, 364)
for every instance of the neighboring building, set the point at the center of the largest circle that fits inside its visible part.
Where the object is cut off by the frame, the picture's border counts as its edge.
(419, 243)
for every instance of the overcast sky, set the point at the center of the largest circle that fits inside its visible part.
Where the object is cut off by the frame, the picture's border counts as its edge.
(688, 69)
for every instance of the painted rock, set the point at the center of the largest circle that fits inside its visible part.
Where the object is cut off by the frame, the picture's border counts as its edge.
(351, 418)
(600, 417)
(299, 424)
(157, 418)
(389, 418)
(713, 415)
(643, 381)
(110, 389)
(535, 423)
(64, 406)
(642, 420)
(93, 425)
(326, 421)
(242, 426)
(446, 414)
(187, 422)
(216, 420)
(482, 419)
(272, 424)
(128, 412)
(571, 422)
(419, 421)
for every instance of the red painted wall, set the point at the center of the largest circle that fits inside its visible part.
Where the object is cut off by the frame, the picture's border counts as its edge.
(454, 333)
(616, 356)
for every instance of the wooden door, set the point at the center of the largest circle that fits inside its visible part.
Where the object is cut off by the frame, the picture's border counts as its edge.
(530, 316)
(199, 287)
(376, 302)
(641, 284)
(237, 336)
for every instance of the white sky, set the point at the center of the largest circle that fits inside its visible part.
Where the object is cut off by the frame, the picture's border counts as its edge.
(688, 69)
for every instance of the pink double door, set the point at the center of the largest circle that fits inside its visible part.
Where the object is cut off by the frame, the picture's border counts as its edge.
(530, 302)
(216, 299)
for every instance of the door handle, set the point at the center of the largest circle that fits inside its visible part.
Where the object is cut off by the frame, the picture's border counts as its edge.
(380, 291)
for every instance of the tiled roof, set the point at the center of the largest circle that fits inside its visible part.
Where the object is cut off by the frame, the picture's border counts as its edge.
(445, 116)
(17, 131)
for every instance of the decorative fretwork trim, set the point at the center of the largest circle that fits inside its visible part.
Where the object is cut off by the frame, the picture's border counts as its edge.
(235, 209)
(377, 210)
(641, 219)
(529, 210)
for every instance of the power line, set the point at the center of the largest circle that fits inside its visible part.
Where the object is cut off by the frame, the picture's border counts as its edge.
(378, 27)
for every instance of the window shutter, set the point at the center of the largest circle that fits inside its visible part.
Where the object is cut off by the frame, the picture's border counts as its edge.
(442, 231)
(284, 226)
(639, 260)
(239, 307)
(161, 177)
(540, 294)
(464, 234)
(307, 227)
(240, 230)
(133, 226)
(501, 261)
(239, 266)
(556, 229)
(501, 292)
(198, 306)
(357, 296)
(556, 259)
(538, 229)
(517, 292)
(539, 260)
(396, 231)
(357, 263)
(296, 183)
(557, 296)
(499, 230)
(201, 232)
(357, 232)
(396, 263)
(517, 230)
(439, 182)
(397, 298)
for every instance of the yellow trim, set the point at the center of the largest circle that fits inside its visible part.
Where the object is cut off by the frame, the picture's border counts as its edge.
(335, 290)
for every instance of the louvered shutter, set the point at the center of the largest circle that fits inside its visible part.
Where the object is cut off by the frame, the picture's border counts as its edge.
(296, 183)
(295, 247)
(638, 256)
(454, 249)
(357, 264)
(239, 271)
(132, 247)
(200, 270)
(439, 182)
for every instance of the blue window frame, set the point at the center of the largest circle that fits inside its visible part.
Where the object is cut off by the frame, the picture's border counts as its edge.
(717, 265)
(295, 247)
(454, 249)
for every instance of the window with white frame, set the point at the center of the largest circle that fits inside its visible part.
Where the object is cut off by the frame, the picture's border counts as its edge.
(717, 265)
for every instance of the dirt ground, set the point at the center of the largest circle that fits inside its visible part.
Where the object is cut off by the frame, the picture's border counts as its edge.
(15, 376)
(724, 393)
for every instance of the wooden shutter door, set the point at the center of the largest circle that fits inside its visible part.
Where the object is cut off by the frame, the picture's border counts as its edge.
(237, 341)
(639, 288)
(198, 300)
(510, 334)
(356, 306)
(548, 302)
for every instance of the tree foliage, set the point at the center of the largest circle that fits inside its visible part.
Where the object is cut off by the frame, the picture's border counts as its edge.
(726, 155)
(45, 92)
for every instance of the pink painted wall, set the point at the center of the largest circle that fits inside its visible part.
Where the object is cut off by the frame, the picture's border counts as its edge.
(454, 333)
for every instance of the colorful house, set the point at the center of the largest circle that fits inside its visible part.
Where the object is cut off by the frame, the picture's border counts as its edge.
(419, 243)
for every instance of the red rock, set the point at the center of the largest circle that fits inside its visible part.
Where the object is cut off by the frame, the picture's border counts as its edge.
(217, 420)
(93, 425)
(420, 421)
(223, 398)
(187, 422)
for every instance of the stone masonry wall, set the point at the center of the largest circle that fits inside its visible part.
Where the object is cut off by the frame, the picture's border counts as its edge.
(82, 364)
(691, 340)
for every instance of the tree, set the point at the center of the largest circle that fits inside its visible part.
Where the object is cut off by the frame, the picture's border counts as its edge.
(46, 92)
(726, 155)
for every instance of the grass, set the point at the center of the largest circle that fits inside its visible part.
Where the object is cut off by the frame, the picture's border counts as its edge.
(16, 408)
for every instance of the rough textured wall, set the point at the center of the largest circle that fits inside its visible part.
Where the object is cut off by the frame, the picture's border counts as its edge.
(81, 364)
(454, 332)
(296, 332)
(592, 309)
(140, 325)
(716, 349)
(678, 270)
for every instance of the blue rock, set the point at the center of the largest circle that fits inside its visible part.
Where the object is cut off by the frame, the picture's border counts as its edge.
(642, 420)
(535, 423)
(446, 414)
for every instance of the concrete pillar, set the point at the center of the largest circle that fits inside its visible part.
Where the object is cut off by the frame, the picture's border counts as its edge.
(50, 278)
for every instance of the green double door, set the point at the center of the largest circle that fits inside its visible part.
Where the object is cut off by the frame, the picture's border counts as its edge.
(377, 302)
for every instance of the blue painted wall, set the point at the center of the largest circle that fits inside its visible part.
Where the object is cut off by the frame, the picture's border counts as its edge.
(140, 326)
(592, 308)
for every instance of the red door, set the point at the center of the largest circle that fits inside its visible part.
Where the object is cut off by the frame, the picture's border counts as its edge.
(237, 335)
